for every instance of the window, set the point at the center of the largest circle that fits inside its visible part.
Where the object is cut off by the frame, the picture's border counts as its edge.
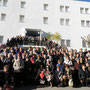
(67, 22)
(68, 43)
(0, 2)
(62, 42)
(81, 10)
(3, 17)
(5, 2)
(66, 8)
(83, 43)
(62, 21)
(23, 4)
(88, 23)
(86, 10)
(1, 39)
(45, 20)
(22, 17)
(61, 8)
(82, 23)
(46, 7)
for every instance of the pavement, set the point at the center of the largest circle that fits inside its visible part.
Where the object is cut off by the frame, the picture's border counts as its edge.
(50, 88)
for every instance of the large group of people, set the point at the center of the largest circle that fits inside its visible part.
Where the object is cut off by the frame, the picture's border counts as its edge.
(52, 66)
(25, 40)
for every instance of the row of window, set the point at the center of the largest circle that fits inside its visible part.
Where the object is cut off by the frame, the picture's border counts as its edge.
(68, 43)
(85, 23)
(5, 3)
(63, 21)
(66, 22)
(45, 20)
(67, 9)
(65, 42)
(62, 8)
(3, 17)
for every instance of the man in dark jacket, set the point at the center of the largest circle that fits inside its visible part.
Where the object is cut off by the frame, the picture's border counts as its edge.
(8, 80)
(83, 75)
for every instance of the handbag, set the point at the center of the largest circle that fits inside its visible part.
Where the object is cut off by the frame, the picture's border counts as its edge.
(70, 83)
(41, 75)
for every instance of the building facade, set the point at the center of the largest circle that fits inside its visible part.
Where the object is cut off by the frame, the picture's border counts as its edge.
(71, 18)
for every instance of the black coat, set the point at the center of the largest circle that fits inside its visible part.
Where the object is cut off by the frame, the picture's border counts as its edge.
(83, 74)
(8, 78)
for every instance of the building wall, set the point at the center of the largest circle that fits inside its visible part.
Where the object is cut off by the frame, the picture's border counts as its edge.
(34, 13)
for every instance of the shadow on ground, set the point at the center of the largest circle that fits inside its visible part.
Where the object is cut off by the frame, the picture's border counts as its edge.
(30, 87)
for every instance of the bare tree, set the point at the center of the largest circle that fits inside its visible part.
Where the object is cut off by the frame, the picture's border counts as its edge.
(86, 39)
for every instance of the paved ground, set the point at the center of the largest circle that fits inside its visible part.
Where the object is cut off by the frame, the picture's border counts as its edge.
(49, 88)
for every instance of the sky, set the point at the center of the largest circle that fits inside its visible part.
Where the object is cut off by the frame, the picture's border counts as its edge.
(84, 0)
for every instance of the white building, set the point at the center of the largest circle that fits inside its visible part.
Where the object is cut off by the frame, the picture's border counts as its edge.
(70, 18)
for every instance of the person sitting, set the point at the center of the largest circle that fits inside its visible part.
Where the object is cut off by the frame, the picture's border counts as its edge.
(58, 77)
(66, 75)
(49, 76)
(40, 77)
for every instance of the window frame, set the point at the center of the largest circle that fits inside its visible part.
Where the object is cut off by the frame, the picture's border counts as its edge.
(83, 25)
(68, 45)
(3, 17)
(21, 19)
(62, 21)
(23, 4)
(1, 39)
(45, 7)
(5, 3)
(66, 10)
(84, 44)
(63, 42)
(62, 8)
(67, 20)
(82, 10)
(44, 20)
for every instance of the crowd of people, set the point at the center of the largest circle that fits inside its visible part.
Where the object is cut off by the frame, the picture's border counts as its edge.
(25, 40)
(52, 66)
